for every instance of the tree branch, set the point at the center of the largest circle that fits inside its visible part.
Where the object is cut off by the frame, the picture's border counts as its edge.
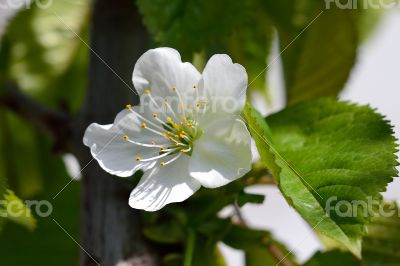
(274, 250)
(55, 123)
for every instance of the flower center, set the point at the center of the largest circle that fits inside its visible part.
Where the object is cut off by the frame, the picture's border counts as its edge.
(179, 131)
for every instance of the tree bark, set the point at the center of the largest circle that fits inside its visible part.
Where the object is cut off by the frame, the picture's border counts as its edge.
(111, 230)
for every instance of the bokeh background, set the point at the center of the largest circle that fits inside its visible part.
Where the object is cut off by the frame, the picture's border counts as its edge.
(50, 63)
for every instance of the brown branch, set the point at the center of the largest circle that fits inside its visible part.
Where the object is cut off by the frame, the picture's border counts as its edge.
(55, 123)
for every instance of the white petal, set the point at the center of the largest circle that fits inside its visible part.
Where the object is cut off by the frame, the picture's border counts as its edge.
(163, 185)
(161, 69)
(114, 154)
(224, 84)
(222, 154)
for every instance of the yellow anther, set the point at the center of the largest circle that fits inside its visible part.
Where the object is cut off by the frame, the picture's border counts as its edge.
(174, 88)
(183, 117)
(128, 106)
(162, 164)
(169, 133)
(155, 115)
(176, 136)
(153, 142)
(138, 158)
(161, 148)
(147, 91)
(125, 137)
(189, 124)
(144, 125)
(197, 104)
(181, 135)
(164, 135)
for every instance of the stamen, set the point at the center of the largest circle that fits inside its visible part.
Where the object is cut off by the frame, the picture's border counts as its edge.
(169, 107)
(172, 160)
(186, 150)
(163, 123)
(157, 157)
(155, 131)
(180, 100)
(138, 158)
(128, 106)
(146, 120)
(153, 145)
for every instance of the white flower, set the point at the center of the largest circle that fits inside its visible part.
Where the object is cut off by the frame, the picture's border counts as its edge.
(186, 132)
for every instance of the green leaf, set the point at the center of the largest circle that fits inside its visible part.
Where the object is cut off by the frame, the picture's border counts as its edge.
(167, 232)
(244, 198)
(317, 65)
(206, 253)
(250, 46)
(381, 246)
(190, 26)
(197, 30)
(259, 246)
(333, 258)
(16, 211)
(322, 152)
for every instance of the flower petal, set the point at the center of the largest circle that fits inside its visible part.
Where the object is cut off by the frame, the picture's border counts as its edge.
(116, 155)
(223, 85)
(222, 154)
(161, 69)
(163, 185)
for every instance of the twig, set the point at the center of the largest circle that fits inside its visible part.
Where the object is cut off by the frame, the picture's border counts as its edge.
(55, 123)
(271, 248)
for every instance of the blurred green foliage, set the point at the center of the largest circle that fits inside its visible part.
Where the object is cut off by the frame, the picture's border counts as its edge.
(42, 53)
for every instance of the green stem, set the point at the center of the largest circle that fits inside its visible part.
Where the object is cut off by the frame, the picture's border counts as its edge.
(191, 239)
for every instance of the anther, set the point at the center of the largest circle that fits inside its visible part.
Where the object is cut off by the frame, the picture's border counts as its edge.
(138, 158)
(144, 125)
(128, 106)
(162, 164)
(125, 137)
(155, 115)
(147, 91)
(174, 88)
